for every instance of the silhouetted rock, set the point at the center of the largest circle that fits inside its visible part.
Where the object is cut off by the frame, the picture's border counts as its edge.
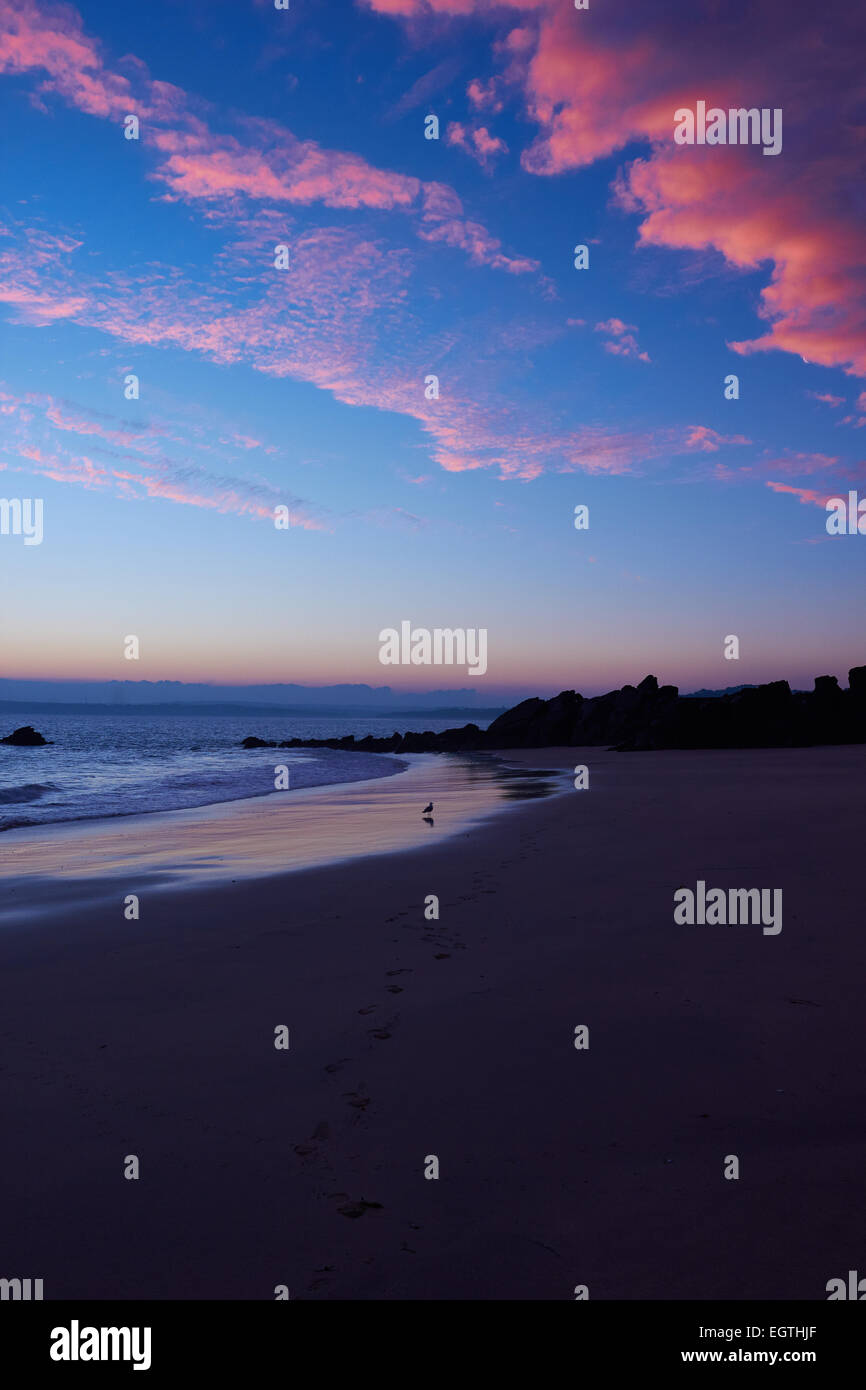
(516, 720)
(25, 738)
(857, 680)
(827, 685)
(647, 716)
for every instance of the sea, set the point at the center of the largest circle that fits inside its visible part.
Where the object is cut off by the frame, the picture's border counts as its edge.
(104, 764)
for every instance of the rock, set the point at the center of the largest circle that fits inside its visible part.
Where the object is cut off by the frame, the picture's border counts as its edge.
(514, 721)
(827, 686)
(647, 716)
(253, 742)
(25, 738)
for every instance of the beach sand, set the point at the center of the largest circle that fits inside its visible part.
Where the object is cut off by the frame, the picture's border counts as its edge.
(409, 1038)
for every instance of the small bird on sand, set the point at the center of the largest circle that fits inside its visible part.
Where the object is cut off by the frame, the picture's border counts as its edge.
(427, 809)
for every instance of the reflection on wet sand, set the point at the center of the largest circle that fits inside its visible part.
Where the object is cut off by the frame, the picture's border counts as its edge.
(266, 835)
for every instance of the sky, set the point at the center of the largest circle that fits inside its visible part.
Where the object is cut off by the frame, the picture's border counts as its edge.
(408, 257)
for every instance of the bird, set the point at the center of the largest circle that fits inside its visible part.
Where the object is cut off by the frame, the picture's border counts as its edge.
(427, 809)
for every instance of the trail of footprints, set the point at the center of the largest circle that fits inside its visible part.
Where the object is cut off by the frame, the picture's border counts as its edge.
(445, 941)
(313, 1151)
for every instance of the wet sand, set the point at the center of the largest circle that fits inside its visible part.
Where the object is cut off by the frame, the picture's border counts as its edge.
(454, 1038)
(85, 862)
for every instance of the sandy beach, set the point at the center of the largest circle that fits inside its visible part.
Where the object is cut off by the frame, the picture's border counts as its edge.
(411, 1038)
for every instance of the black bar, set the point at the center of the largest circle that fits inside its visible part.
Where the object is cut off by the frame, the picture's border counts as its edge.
(317, 1338)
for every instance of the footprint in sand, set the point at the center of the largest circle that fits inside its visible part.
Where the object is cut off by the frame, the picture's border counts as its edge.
(380, 1033)
(321, 1132)
(394, 989)
(369, 1009)
(357, 1099)
(356, 1209)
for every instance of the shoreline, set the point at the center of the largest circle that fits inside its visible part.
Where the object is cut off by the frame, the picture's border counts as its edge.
(256, 837)
(395, 765)
(99, 817)
(454, 1038)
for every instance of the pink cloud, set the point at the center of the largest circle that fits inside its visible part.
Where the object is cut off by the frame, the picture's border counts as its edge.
(202, 167)
(477, 142)
(827, 399)
(806, 495)
(82, 425)
(144, 473)
(800, 464)
(815, 302)
(710, 441)
(246, 441)
(597, 83)
(479, 245)
(621, 339)
(53, 42)
(341, 322)
(484, 96)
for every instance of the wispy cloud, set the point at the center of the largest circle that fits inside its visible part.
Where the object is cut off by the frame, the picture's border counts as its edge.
(137, 465)
(263, 162)
(341, 322)
(477, 141)
(597, 84)
(621, 339)
(806, 495)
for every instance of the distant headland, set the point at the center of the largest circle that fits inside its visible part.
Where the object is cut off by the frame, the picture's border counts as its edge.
(645, 716)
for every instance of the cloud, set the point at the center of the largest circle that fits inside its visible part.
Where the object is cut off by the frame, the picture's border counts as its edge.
(710, 441)
(202, 166)
(421, 90)
(477, 141)
(55, 43)
(196, 165)
(136, 466)
(621, 339)
(596, 84)
(827, 399)
(806, 495)
(476, 241)
(245, 441)
(342, 320)
(484, 96)
(801, 464)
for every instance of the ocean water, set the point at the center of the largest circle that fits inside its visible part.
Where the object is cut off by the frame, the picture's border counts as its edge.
(103, 765)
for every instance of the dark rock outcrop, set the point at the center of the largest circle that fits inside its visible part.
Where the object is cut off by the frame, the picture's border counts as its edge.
(647, 716)
(27, 737)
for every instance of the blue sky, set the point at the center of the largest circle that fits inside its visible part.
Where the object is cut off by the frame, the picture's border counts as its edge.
(408, 257)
